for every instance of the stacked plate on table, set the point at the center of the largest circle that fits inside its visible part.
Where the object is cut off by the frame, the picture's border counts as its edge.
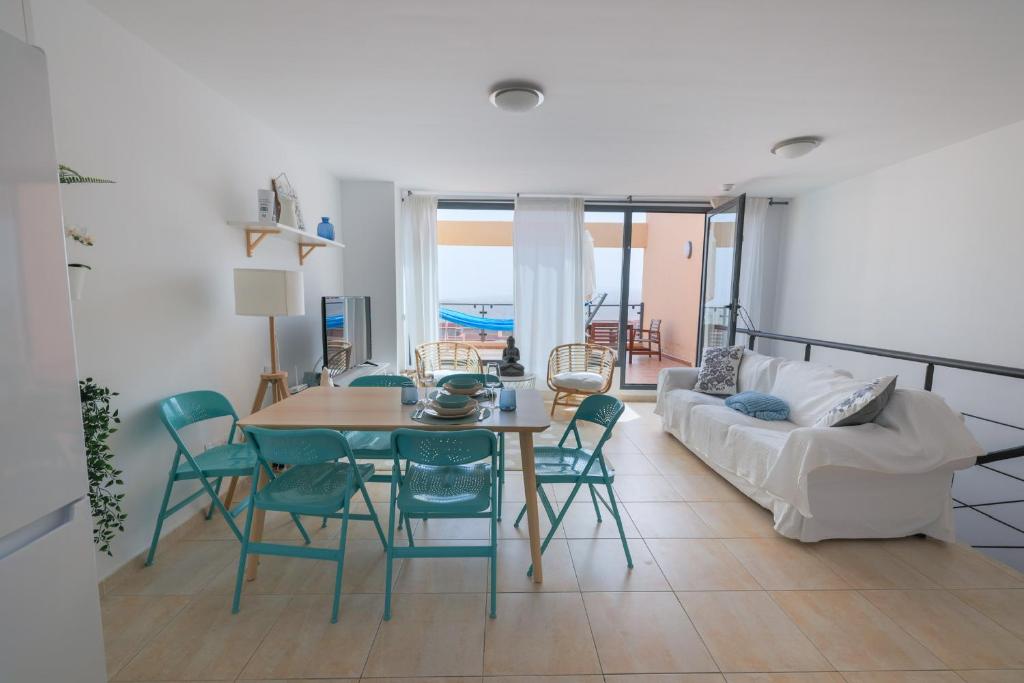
(463, 386)
(451, 406)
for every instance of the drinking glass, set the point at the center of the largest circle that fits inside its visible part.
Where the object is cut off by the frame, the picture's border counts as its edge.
(492, 380)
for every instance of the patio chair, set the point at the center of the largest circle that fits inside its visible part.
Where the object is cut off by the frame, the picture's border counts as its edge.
(321, 481)
(644, 343)
(449, 474)
(579, 370)
(227, 460)
(579, 466)
(436, 360)
(339, 353)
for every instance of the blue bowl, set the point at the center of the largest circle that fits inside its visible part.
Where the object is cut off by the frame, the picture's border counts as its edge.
(451, 401)
(463, 382)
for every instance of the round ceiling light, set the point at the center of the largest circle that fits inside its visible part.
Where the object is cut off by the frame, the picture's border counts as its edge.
(796, 147)
(517, 98)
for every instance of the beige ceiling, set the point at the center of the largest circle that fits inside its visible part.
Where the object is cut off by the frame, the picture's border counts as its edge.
(670, 97)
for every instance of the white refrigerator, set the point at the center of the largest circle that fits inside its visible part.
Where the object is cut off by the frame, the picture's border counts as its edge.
(49, 603)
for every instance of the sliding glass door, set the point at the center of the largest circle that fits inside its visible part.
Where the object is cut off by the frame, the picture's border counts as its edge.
(723, 239)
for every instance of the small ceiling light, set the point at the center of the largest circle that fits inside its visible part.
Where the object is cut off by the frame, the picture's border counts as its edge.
(796, 147)
(516, 97)
(727, 187)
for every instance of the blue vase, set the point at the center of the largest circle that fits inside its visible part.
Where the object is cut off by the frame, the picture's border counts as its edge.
(325, 229)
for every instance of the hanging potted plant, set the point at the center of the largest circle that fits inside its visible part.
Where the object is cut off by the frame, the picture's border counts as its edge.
(98, 422)
(77, 271)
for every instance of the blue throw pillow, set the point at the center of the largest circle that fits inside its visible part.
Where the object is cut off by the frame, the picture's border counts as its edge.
(761, 406)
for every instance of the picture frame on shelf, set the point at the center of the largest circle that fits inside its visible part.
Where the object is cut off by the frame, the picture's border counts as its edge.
(289, 211)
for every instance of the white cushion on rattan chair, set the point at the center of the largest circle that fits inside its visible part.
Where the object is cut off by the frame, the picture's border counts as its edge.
(581, 381)
(438, 376)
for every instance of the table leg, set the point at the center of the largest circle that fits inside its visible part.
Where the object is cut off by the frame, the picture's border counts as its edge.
(532, 514)
(256, 534)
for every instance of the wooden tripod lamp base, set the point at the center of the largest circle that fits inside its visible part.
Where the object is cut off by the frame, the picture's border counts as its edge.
(275, 381)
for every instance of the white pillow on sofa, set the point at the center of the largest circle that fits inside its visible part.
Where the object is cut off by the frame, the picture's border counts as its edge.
(582, 381)
(811, 389)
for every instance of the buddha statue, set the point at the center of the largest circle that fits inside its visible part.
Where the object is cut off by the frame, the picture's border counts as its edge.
(510, 366)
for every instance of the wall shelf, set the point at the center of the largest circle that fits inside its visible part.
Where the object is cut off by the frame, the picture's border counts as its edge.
(256, 232)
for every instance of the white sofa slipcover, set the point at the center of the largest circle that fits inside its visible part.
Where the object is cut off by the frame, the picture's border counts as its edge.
(888, 478)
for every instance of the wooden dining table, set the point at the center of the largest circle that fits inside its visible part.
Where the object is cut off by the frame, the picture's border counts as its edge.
(380, 409)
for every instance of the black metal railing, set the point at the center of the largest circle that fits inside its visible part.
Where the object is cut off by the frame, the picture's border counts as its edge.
(930, 362)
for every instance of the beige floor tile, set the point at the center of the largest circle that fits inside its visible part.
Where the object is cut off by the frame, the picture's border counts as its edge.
(632, 465)
(440, 529)
(180, 568)
(423, 679)
(645, 633)
(206, 641)
(657, 442)
(958, 634)
(430, 635)
(991, 676)
(901, 677)
(952, 565)
(514, 561)
(617, 445)
(665, 678)
(699, 565)
(443, 574)
(704, 488)
(360, 529)
(801, 677)
(1003, 606)
(852, 633)
(509, 512)
(668, 520)
(540, 634)
(513, 491)
(867, 564)
(129, 621)
(736, 520)
(645, 489)
(601, 566)
(783, 564)
(581, 522)
(676, 464)
(308, 680)
(545, 679)
(364, 567)
(733, 625)
(303, 643)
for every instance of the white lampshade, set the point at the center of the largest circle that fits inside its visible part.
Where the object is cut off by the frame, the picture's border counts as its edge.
(269, 292)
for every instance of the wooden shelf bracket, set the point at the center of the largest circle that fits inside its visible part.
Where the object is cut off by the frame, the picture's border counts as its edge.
(305, 250)
(259, 234)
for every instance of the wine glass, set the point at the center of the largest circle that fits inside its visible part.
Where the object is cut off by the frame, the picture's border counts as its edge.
(492, 380)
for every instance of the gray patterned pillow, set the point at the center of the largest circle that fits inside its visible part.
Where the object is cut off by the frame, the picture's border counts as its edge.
(862, 406)
(719, 367)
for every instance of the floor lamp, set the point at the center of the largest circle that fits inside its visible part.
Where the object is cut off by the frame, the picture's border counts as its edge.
(269, 293)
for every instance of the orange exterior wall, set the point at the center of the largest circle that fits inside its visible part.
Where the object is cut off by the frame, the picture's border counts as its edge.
(672, 281)
(499, 233)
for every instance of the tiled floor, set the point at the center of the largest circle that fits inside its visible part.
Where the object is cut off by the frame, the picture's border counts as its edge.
(715, 596)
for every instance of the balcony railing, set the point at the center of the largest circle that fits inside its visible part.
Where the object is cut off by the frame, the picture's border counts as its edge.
(493, 320)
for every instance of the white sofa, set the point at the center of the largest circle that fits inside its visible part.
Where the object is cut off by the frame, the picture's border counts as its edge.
(888, 478)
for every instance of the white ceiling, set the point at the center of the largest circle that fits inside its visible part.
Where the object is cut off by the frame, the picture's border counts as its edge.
(667, 98)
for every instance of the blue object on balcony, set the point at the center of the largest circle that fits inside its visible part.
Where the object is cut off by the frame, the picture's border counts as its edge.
(335, 321)
(475, 321)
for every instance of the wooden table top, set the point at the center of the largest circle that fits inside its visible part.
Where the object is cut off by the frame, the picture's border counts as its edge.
(379, 408)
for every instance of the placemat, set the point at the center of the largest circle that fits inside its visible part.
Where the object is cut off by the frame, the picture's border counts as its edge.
(468, 419)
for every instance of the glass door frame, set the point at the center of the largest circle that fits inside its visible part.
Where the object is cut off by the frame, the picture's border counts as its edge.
(627, 209)
(735, 205)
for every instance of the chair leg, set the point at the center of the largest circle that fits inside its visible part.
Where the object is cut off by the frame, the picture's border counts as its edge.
(229, 497)
(302, 529)
(390, 556)
(554, 402)
(555, 524)
(160, 517)
(618, 522)
(548, 508)
(341, 561)
(240, 577)
(501, 472)
(494, 563)
(593, 499)
(373, 511)
(520, 517)
(216, 501)
(209, 510)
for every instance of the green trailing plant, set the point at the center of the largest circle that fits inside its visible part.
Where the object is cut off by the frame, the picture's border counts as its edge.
(69, 176)
(98, 420)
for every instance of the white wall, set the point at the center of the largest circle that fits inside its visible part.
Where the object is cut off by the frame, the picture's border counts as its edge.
(923, 256)
(158, 317)
(13, 18)
(368, 219)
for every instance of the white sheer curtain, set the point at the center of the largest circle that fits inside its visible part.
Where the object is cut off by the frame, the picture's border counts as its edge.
(753, 288)
(419, 271)
(548, 256)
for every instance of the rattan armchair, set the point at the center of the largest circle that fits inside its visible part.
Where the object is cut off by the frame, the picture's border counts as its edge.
(445, 355)
(579, 358)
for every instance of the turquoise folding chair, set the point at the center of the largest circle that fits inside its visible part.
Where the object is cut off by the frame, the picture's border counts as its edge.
(483, 377)
(579, 466)
(375, 445)
(227, 460)
(322, 480)
(446, 476)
